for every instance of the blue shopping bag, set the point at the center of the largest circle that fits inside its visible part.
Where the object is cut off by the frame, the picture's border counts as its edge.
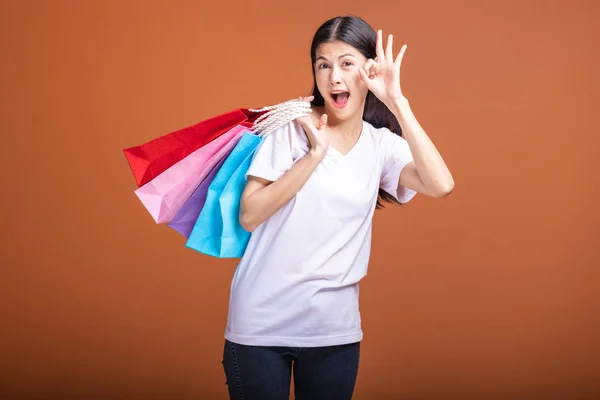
(217, 231)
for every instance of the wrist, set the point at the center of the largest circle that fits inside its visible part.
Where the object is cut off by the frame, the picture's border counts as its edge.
(317, 153)
(399, 105)
(401, 110)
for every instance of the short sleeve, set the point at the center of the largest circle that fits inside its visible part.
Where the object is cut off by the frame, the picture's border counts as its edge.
(396, 155)
(273, 158)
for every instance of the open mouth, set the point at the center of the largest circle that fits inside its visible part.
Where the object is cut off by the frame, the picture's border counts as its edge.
(340, 98)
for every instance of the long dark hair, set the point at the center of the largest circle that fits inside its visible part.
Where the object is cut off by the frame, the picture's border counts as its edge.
(360, 35)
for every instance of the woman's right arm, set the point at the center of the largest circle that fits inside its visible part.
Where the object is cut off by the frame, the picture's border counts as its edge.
(262, 198)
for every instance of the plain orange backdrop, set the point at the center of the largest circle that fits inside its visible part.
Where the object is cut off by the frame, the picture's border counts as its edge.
(490, 293)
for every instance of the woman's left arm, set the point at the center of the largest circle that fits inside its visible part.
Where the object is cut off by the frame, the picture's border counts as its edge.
(428, 173)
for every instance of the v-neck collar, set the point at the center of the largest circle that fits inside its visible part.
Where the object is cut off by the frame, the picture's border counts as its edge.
(338, 155)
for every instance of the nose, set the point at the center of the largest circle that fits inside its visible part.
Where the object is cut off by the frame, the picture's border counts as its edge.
(334, 77)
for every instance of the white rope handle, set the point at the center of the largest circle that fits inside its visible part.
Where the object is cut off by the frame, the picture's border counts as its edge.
(279, 115)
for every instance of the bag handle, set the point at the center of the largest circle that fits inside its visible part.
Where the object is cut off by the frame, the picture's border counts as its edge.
(279, 115)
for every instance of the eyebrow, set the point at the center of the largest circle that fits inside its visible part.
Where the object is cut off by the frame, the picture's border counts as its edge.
(343, 55)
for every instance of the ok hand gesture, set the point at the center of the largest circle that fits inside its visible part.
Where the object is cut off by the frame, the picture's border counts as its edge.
(382, 75)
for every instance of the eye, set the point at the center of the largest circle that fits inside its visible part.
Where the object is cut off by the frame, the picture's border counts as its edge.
(322, 65)
(348, 64)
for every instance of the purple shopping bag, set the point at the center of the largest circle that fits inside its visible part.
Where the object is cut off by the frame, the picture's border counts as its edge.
(186, 217)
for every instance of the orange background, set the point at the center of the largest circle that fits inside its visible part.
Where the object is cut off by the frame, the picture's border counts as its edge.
(490, 293)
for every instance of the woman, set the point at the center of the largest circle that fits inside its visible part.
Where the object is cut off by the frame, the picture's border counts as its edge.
(310, 196)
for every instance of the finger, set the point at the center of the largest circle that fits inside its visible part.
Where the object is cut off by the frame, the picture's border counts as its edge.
(398, 61)
(371, 66)
(379, 46)
(388, 52)
(365, 77)
(323, 121)
(306, 123)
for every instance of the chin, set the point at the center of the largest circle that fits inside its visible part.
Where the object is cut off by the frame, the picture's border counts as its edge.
(344, 112)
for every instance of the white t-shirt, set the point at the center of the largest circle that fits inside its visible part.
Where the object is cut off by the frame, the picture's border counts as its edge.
(297, 283)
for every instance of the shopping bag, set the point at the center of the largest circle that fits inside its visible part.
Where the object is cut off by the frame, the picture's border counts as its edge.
(217, 231)
(164, 195)
(186, 217)
(150, 159)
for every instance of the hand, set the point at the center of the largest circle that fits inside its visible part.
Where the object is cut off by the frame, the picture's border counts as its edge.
(382, 75)
(319, 143)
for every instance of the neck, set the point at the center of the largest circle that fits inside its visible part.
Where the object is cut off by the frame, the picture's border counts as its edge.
(348, 127)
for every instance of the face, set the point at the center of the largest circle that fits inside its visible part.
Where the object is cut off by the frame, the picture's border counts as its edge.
(336, 73)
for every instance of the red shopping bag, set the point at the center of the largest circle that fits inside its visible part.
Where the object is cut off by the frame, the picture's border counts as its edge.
(152, 158)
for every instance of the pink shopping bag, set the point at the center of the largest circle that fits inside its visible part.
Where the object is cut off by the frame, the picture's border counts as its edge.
(164, 195)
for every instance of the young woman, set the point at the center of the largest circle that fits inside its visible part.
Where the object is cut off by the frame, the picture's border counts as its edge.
(311, 192)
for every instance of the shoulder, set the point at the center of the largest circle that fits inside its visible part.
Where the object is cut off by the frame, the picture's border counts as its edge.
(289, 136)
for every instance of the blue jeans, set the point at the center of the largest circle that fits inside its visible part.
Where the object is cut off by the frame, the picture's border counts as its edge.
(263, 372)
